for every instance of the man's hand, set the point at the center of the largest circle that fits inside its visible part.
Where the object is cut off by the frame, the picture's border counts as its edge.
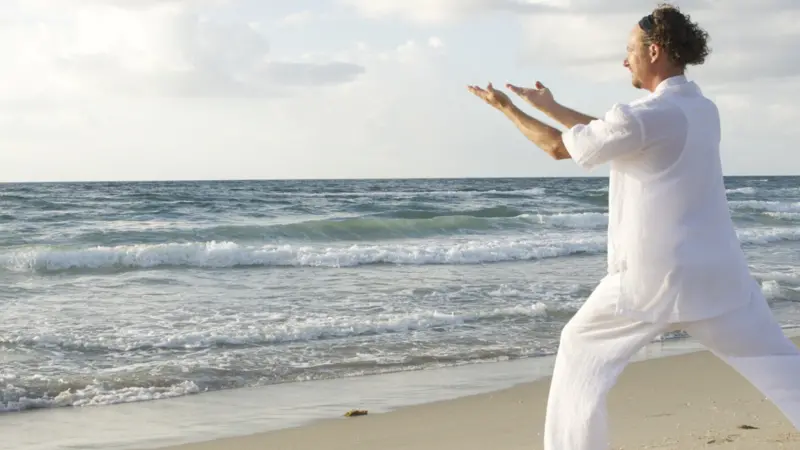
(539, 97)
(542, 99)
(492, 96)
(544, 136)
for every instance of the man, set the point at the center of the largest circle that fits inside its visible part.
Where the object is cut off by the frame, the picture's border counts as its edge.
(674, 260)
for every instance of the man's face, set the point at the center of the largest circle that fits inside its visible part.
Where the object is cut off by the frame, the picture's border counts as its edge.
(638, 60)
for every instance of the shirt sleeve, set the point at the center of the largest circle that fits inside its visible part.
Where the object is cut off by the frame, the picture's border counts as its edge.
(618, 134)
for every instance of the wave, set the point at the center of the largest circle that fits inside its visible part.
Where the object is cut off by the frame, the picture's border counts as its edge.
(742, 190)
(414, 193)
(392, 225)
(585, 220)
(43, 392)
(143, 381)
(765, 205)
(140, 382)
(765, 212)
(784, 216)
(420, 223)
(17, 398)
(308, 330)
(488, 213)
(766, 219)
(230, 254)
(762, 236)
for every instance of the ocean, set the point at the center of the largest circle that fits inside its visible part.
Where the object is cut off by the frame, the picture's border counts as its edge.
(126, 292)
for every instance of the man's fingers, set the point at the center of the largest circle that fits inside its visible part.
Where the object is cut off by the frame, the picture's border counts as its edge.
(522, 90)
(515, 89)
(479, 93)
(489, 94)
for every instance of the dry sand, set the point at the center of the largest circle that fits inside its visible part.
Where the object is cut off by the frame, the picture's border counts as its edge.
(691, 401)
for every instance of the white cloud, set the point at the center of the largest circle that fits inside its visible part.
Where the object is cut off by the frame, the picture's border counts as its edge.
(442, 11)
(750, 38)
(403, 117)
(435, 42)
(746, 45)
(192, 89)
(161, 48)
(298, 18)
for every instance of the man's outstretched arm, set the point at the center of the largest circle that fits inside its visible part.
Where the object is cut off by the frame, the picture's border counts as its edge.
(590, 141)
(566, 116)
(544, 136)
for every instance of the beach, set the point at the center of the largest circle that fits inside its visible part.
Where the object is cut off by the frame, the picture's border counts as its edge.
(683, 402)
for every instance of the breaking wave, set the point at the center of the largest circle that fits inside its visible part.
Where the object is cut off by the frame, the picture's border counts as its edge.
(232, 254)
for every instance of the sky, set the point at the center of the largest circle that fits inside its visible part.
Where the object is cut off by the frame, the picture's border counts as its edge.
(265, 89)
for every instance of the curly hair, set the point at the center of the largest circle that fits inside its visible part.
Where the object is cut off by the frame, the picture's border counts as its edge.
(684, 42)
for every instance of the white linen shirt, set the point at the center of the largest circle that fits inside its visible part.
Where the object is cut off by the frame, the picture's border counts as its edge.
(671, 239)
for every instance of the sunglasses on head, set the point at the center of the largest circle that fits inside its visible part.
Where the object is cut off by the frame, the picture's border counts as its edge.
(647, 23)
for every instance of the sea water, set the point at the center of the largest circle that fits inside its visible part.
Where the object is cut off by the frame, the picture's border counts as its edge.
(126, 292)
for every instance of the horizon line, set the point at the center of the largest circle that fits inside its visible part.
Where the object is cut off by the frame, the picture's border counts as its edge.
(229, 180)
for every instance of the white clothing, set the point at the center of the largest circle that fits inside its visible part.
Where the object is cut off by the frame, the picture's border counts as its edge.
(670, 234)
(597, 344)
(674, 262)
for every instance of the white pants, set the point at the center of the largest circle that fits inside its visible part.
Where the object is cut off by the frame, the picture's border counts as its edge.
(596, 345)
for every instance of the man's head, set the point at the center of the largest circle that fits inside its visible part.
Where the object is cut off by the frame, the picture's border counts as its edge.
(662, 44)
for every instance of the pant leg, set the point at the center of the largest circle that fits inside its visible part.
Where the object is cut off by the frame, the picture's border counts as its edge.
(595, 347)
(751, 341)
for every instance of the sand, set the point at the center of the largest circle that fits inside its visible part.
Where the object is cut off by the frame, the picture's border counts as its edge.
(691, 401)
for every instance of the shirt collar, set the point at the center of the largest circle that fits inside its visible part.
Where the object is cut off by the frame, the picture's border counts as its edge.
(677, 82)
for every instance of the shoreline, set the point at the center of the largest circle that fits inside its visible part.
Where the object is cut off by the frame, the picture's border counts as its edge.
(686, 411)
(243, 412)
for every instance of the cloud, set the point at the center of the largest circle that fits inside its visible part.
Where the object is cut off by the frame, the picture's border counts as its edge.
(762, 109)
(298, 18)
(305, 74)
(158, 48)
(404, 116)
(753, 45)
(441, 11)
(745, 45)
(435, 42)
(749, 39)
(127, 4)
(170, 89)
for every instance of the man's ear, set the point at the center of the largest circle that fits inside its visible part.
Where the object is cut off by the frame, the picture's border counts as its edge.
(654, 52)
